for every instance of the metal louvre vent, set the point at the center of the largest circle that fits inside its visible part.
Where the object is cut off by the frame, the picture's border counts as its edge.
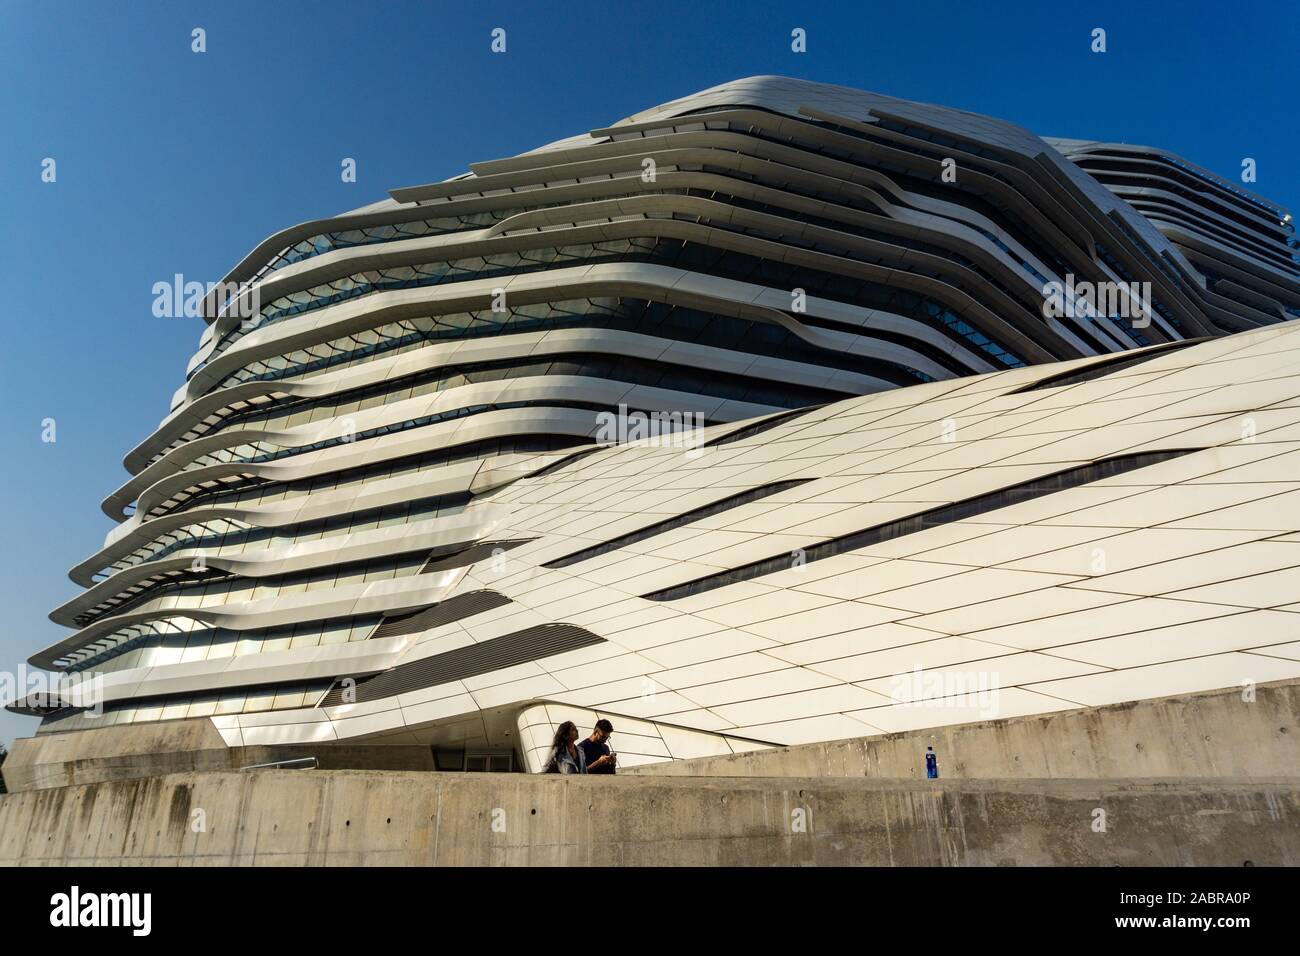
(935, 517)
(1103, 368)
(759, 427)
(565, 461)
(678, 521)
(452, 609)
(530, 644)
(468, 556)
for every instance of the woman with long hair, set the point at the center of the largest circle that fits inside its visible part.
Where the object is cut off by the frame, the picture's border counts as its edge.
(566, 756)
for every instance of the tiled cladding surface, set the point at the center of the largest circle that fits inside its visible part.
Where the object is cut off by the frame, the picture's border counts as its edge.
(1177, 577)
(1132, 586)
(378, 439)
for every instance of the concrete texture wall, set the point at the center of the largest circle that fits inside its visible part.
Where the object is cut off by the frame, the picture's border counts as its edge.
(174, 746)
(1206, 735)
(284, 817)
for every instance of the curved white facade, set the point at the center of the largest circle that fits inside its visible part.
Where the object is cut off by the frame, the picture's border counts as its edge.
(382, 507)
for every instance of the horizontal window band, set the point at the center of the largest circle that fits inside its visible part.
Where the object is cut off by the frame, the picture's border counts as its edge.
(536, 443)
(441, 560)
(211, 541)
(56, 711)
(725, 263)
(591, 364)
(184, 584)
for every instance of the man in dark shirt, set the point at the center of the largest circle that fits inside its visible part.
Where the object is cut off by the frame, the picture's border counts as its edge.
(599, 759)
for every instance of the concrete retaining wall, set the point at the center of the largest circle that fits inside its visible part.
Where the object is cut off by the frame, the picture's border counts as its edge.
(283, 817)
(1211, 734)
(1207, 735)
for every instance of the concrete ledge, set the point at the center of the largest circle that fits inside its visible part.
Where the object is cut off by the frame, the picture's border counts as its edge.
(175, 746)
(280, 817)
(1214, 734)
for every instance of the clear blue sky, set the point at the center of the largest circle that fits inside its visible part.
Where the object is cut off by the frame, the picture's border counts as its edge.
(171, 161)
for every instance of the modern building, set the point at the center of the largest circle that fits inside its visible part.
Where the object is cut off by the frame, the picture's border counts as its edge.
(742, 421)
